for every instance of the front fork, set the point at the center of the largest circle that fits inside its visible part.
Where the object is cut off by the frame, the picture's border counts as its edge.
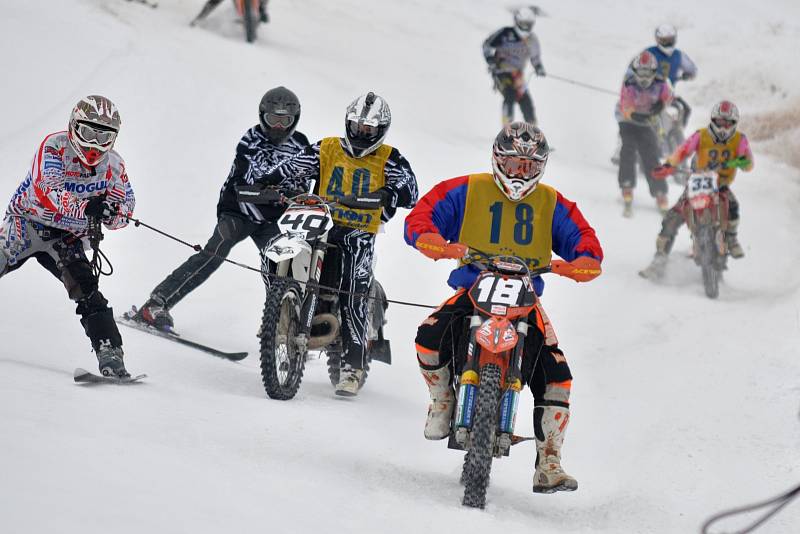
(469, 385)
(311, 293)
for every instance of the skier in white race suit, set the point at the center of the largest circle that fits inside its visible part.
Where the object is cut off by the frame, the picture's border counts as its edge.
(75, 178)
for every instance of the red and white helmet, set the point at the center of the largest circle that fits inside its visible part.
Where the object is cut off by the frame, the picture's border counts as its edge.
(93, 128)
(724, 118)
(645, 68)
(519, 156)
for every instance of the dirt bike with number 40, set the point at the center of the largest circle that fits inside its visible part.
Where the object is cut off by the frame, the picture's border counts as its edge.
(487, 366)
(301, 316)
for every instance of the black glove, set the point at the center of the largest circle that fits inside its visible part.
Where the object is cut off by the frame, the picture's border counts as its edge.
(258, 194)
(539, 68)
(657, 108)
(374, 200)
(640, 117)
(687, 76)
(100, 208)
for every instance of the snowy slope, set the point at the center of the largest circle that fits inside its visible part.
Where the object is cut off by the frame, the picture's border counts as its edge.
(681, 405)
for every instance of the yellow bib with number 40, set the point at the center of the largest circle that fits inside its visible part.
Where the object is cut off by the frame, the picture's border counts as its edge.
(342, 175)
(496, 225)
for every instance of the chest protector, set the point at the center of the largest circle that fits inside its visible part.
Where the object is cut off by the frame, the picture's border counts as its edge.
(713, 156)
(495, 225)
(342, 175)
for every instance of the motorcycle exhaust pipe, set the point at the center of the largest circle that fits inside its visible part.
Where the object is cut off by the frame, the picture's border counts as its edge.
(329, 324)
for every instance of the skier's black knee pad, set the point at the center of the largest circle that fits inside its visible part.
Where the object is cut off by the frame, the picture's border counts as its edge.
(100, 327)
(79, 279)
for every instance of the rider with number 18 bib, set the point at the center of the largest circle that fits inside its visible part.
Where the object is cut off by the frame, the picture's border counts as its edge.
(506, 212)
(358, 167)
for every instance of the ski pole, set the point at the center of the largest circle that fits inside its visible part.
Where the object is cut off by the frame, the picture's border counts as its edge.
(581, 84)
(198, 248)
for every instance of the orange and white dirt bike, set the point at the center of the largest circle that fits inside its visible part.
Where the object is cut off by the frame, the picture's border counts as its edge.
(488, 368)
(706, 214)
(248, 10)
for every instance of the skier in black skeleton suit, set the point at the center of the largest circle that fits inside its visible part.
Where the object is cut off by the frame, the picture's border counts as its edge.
(261, 148)
(357, 167)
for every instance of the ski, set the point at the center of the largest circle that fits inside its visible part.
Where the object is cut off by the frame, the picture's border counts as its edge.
(147, 3)
(82, 376)
(127, 320)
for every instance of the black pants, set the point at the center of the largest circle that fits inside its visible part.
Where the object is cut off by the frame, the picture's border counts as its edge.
(229, 231)
(62, 254)
(445, 329)
(639, 141)
(352, 262)
(508, 84)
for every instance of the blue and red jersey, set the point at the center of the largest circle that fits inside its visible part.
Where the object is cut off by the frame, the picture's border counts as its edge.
(442, 210)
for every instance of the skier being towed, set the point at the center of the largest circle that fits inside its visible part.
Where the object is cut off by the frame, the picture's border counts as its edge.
(75, 180)
(262, 147)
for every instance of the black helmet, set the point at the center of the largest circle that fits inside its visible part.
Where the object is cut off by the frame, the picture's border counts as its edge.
(278, 113)
(366, 124)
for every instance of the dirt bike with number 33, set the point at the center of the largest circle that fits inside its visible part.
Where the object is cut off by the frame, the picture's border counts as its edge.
(706, 214)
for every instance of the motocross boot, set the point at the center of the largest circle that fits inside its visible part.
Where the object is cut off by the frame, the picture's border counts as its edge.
(349, 381)
(662, 201)
(627, 199)
(550, 423)
(734, 247)
(155, 313)
(656, 269)
(109, 361)
(440, 410)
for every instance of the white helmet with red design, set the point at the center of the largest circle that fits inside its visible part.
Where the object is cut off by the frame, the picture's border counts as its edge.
(724, 118)
(519, 156)
(645, 68)
(93, 128)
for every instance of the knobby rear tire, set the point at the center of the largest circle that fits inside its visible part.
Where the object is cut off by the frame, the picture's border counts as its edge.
(282, 363)
(478, 462)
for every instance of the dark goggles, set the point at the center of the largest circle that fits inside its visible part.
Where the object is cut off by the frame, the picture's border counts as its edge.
(91, 134)
(280, 121)
(723, 123)
(525, 25)
(521, 167)
(358, 129)
(667, 42)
